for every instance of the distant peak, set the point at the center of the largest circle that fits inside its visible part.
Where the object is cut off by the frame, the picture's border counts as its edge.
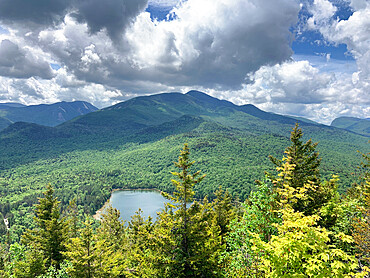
(195, 93)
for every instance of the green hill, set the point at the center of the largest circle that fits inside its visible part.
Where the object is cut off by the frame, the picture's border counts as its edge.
(360, 126)
(133, 145)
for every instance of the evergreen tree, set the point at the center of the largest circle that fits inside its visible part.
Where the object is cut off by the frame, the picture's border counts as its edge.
(140, 242)
(82, 252)
(72, 218)
(188, 240)
(50, 233)
(112, 229)
(112, 243)
(299, 171)
(224, 211)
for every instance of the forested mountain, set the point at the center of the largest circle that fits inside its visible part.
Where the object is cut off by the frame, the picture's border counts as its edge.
(43, 114)
(132, 145)
(360, 126)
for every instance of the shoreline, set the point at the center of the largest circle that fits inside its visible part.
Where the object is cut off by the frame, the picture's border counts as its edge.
(98, 213)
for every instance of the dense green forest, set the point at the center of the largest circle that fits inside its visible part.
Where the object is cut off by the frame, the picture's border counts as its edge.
(132, 145)
(295, 223)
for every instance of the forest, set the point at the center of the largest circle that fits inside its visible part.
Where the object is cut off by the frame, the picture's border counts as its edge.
(294, 223)
(132, 144)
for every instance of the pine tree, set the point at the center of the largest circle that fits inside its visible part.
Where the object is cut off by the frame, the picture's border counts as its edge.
(112, 229)
(50, 233)
(140, 241)
(112, 244)
(72, 218)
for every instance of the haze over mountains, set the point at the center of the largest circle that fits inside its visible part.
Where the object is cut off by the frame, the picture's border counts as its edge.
(146, 111)
(360, 126)
(43, 114)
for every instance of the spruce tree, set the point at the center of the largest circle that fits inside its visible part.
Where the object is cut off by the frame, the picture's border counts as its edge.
(224, 210)
(82, 252)
(192, 230)
(50, 233)
(299, 171)
(184, 194)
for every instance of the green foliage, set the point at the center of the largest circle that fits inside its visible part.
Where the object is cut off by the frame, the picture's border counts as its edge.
(299, 176)
(225, 211)
(50, 233)
(302, 249)
(130, 145)
(260, 215)
(188, 240)
(82, 252)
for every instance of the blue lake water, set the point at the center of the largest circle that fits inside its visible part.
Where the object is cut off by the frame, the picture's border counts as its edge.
(129, 201)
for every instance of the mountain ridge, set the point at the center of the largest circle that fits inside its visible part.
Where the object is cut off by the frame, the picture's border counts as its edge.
(357, 125)
(44, 114)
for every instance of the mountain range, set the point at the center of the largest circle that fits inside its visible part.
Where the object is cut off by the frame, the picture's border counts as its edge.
(133, 145)
(360, 126)
(43, 114)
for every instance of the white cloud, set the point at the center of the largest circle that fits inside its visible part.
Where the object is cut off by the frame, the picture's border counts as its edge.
(234, 49)
(163, 3)
(210, 44)
(299, 89)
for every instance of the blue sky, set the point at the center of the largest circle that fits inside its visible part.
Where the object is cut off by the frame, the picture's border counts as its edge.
(305, 58)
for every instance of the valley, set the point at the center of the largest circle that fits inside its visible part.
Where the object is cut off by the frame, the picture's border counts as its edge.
(133, 145)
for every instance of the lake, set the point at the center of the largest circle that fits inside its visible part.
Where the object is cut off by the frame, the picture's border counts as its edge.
(129, 201)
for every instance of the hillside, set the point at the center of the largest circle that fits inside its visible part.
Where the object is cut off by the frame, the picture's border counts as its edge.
(360, 126)
(44, 114)
(133, 145)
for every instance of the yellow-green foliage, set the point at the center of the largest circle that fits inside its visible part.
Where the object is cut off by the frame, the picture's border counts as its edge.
(302, 249)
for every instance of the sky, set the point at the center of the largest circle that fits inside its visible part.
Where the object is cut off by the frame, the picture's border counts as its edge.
(308, 58)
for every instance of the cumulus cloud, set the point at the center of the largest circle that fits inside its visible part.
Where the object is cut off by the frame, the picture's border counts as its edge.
(239, 50)
(209, 43)
(16, 62)
(33, 13)
(297, 88)
(354, 33)
(113, 16)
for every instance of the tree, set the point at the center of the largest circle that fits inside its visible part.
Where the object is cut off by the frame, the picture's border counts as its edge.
(82, 252)
(50, 233)
(299, 171)
(302, 249)
(112, 243)
(224, 211)
(260, 215)
(188, 241)
(140, 240)
(361, 225)
(183, 195)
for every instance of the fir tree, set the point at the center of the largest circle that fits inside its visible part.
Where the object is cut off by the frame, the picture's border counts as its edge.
(188, 238)
(50, 233)
(224, 210)
(299, 171)
(82, 252)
